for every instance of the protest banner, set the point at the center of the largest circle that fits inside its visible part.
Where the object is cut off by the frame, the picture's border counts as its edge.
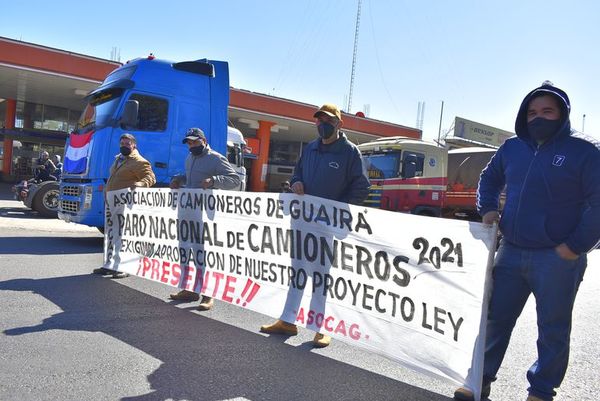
(409, 287)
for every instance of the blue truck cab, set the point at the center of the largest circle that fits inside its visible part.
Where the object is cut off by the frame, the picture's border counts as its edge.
(156, 101)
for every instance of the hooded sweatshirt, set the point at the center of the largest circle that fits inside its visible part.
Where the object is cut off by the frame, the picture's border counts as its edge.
(552, 189)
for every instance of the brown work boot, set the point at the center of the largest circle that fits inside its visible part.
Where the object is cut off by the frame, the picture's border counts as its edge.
(185, 296)
(534, 398)
(206, 304)
(280, 327)
(464, 394)
(321, 340)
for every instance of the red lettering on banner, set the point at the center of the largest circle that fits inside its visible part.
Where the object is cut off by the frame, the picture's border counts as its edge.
(199, 280)
(341, 328)
(300, 317)
(354, 332)
(147, 264)
(218, 277)
(190, 278)
(229, 288)
(165, 272)
(176, 270)
(252, 294)
(155, 266)
(248, 296)
(328, 322)
(205, 282)
(319, 320)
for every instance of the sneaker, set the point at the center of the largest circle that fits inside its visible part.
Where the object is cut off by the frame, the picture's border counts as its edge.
(102, 271)
(321, 340)
(533, 398)
(280, 327)
(206, 304)
(185, 295)
(119, 275)
(464, 394)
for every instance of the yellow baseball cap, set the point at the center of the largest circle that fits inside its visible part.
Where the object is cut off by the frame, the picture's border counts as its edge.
(330, 109)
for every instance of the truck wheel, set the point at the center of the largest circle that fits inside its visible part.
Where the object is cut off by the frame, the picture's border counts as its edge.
(46, 200)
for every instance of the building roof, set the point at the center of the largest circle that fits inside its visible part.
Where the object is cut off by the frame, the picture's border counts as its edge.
(44, 75)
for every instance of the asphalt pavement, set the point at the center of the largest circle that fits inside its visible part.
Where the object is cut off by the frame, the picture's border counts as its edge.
(66, 334)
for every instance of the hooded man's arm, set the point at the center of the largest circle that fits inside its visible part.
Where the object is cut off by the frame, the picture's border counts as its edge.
(491, 183)
(587, 233)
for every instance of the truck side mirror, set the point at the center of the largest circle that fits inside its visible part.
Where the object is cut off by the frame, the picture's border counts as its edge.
(409, 166)
(130, 113)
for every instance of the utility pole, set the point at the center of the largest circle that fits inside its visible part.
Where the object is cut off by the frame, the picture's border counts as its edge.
(583, 124)
(440, 128)
(349, 110)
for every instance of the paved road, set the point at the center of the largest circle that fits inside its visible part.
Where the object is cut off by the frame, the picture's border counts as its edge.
(68, 335)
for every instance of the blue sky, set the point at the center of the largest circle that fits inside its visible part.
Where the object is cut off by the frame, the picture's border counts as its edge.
(479, 57)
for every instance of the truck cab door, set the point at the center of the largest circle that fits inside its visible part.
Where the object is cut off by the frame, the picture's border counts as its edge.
(151, 126)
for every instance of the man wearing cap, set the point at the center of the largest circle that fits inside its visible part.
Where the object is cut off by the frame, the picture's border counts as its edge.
(330, 167)
(129, 170)
(206, 169)
(550, 221)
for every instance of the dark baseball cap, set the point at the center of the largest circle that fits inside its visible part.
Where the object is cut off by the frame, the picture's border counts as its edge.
(193, 134)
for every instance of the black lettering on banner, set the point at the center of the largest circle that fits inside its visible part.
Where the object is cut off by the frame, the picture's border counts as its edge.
(275, 208)
(434, 255)
(252, 227)
(404, 279)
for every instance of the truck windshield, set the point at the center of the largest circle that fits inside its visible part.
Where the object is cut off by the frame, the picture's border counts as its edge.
(382, 165)
(99, 110)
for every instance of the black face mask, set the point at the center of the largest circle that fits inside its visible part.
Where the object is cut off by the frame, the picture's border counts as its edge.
(326, 130)
(125, 151)
(542, 129)
(197, 150)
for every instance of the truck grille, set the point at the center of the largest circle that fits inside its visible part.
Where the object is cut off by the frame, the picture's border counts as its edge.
(69, 206)
(71, 191)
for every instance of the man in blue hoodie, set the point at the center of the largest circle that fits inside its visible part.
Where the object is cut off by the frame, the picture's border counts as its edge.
(330, 167)
(550, 220)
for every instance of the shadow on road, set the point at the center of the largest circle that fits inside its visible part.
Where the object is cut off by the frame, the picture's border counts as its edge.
(6, 192)
(50, 245)
(22, 213)
(203, 359)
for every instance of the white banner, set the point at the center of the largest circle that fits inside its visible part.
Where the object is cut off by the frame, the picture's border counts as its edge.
(408, 287)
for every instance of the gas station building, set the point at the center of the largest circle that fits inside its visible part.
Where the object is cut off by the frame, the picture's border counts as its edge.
(42, 94)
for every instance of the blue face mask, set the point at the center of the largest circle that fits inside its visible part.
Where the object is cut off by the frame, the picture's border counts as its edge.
(542, 129)
(197, 150)
(326, 130)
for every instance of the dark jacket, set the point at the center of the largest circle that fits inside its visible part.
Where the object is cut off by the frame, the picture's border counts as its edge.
(332, 171)
(552, 190)
(129, 171)
(209, 164)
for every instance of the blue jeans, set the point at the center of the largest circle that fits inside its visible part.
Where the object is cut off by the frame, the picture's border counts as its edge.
(554, 282)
